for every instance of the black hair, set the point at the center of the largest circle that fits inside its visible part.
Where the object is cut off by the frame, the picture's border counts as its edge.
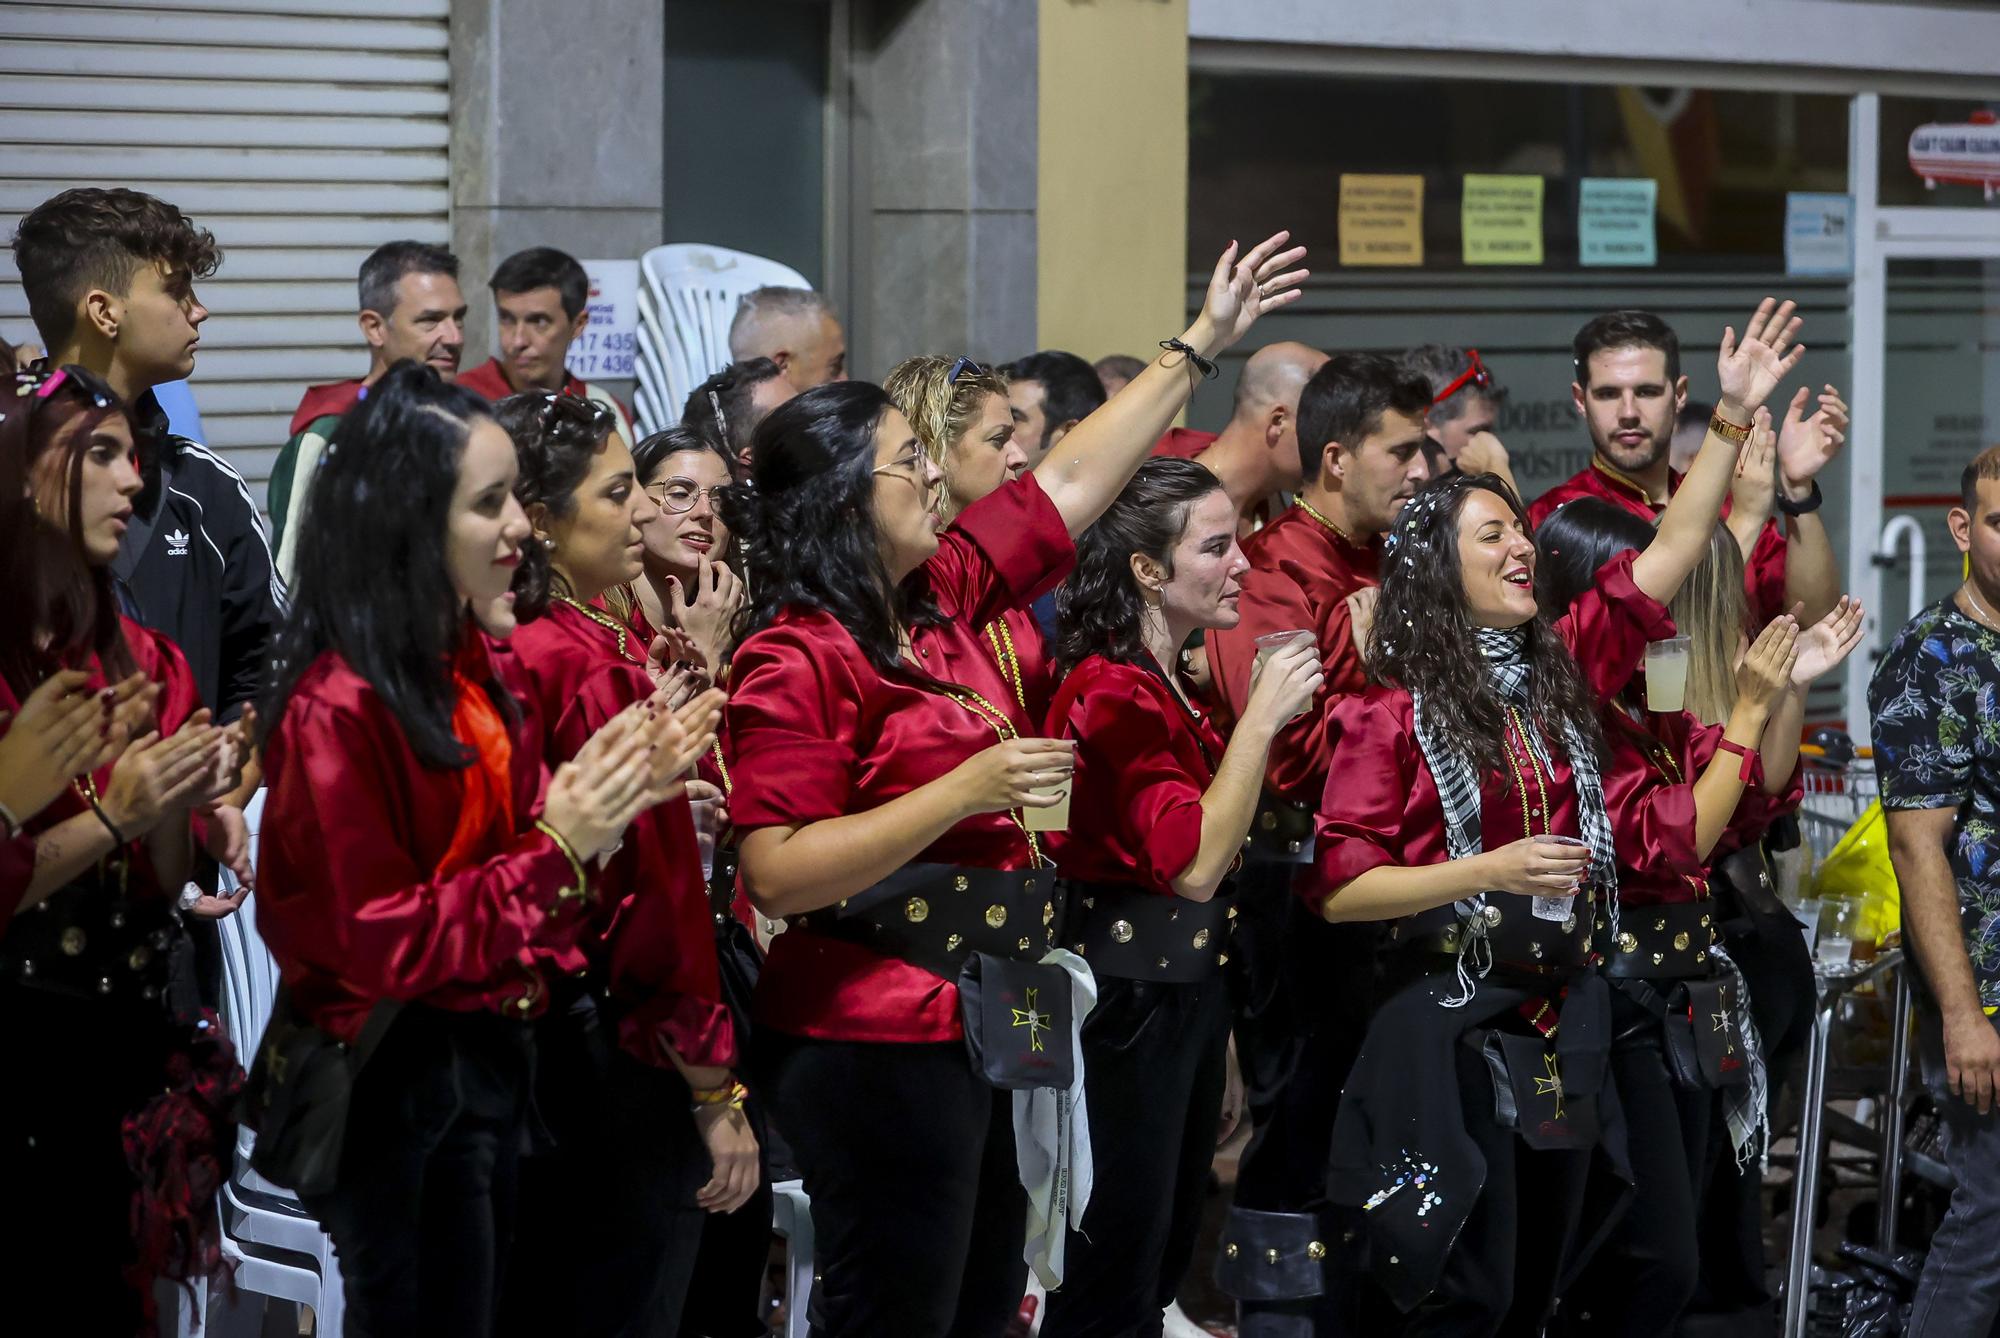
(391, 261)
(372, 584)
(1070, 386)
(92, 237)
(1346, 398)
(1625, 329)
(63, 610)
(1423, 637)
(544, 267)
(1099, 610)
(556, 438)
(1574, 541)
(720, 407)
(652, 451)
(806, 521)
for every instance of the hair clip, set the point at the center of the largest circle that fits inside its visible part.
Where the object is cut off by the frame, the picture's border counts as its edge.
(721, 419)
(48, 387)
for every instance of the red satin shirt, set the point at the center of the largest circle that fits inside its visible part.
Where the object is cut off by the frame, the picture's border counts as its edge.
(1380, 805)
(348, 895)
(817, 731)
(1763, 572)
(1143, 763)
(162, 662)
(1301, 573)
(650, 941)
(1649, 790)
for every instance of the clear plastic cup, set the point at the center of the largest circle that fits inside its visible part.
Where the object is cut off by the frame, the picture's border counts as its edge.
(1667, 673)
(1271, 642)
(1054, 818)
(707, 814)
(1839, 921)
(1557, 909)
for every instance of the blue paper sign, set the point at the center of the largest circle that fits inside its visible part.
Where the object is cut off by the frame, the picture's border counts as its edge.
(1819, 233)
(1614, 221)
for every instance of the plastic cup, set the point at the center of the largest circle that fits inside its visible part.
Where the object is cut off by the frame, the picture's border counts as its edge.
(1556, 909)
(707, 814)
(1667, 674)
(1839, 919)
(1806, 912)
(1272, 642)
(1054, 818)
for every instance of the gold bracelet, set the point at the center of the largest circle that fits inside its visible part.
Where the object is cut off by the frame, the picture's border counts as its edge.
(731, 1094)
(1730, 432)
(569, 853)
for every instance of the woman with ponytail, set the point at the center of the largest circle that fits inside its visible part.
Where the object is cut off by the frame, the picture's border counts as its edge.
(1467, 810)
(423, 880)
(881, 800)
(1157, 819)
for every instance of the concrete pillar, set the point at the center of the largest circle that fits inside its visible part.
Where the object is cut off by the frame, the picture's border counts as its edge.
(941, 157)
(556, 116)
(1111, 228)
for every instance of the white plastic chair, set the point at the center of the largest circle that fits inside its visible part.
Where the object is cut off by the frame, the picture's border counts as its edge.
(791, 1217)
(694, 289)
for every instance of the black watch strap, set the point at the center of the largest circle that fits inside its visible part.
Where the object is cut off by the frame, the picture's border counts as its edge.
(1805, 508)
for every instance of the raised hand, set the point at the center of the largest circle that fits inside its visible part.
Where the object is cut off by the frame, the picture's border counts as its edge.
(1765, 671)
(1242, 290)
(1806, 445)
(1750, 370)
(1484, 454)
(1755, 487)
(1829, 641)
(1284, 685)
(159, 777)
(61, 732)
(708, 613)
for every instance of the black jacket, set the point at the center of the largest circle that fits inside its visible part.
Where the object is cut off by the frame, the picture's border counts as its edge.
(196, 564)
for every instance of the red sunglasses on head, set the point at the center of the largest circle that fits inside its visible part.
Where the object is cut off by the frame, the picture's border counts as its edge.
(1475, 374)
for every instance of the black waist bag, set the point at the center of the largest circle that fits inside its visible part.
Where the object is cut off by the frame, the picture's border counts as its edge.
(1019, 1026)
(296, 1095)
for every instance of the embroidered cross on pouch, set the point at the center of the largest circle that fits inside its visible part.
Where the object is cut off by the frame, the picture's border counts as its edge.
(1036, 1022)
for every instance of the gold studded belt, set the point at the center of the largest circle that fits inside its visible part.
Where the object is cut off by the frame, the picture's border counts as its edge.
(1129, 932)
(92, 940)
(1281, 833)
(936, 915)
(1669, 942)
(1520, 940)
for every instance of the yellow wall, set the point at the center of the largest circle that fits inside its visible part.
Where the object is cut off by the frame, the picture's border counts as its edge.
(1111, 208)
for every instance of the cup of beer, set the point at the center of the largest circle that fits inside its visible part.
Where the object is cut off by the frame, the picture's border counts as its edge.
(1667, 674)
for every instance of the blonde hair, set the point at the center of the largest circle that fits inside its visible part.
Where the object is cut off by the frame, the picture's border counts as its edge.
(941, 410)
(1712, 611)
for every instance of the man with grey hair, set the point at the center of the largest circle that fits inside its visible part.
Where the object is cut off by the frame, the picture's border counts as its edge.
(1256, 455)
(411, 308)
(1465, 409)
(795, 328)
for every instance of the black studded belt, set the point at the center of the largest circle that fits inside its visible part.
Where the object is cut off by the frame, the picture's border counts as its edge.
(1129, 932)
(92, 940)
(1520, 940)
(936, 915)
(722, 885)
(1281, 833)
(1669, 942)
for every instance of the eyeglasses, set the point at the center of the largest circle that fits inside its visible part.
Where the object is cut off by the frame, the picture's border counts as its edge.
(1475, 374)
(909, 468)
(679, 495)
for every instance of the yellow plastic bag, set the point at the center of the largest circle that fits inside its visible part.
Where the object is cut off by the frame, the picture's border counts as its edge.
(1858, 869)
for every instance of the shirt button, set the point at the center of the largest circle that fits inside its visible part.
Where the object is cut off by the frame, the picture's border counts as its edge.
(1534, 812)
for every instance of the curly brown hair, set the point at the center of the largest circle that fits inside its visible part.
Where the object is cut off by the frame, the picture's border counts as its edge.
(91, 237)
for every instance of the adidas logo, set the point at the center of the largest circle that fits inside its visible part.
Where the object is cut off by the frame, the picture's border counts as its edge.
(177, 543)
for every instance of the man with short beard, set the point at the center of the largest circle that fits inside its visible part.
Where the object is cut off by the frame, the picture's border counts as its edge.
(1629, 390)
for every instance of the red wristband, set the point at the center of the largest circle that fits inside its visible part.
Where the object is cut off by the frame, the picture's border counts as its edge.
(1749, 756)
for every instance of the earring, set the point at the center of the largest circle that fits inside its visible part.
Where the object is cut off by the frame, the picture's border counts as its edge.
(548, 542)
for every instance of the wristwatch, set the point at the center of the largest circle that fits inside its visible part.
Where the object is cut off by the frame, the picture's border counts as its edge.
(1805, 508)
(191, 896)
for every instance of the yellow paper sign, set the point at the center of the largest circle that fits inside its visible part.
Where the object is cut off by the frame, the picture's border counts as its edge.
(1381, 220)
(1501, 219)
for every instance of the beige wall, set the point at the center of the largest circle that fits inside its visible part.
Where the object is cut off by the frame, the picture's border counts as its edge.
(1111, 226)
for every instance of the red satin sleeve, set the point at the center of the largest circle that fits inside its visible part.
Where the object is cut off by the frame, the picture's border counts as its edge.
(349, 909)
(1764, 573)
(1004, 551)
(1652, 819)
(1607, 627)
(794, 709)
(659, 943)
(1365, 813)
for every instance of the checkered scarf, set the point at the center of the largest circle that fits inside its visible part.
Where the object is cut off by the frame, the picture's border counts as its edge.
(1504, 651)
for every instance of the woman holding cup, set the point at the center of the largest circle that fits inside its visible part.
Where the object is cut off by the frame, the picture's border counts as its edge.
(880, 803)
(1161, 811)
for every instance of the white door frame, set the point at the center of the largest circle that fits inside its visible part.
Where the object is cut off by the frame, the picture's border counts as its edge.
(1880, 236)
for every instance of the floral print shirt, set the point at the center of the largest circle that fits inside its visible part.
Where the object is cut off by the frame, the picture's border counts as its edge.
(1935, 702)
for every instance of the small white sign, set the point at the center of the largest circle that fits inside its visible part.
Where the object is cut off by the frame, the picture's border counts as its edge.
(605, 349)
(1819, 233)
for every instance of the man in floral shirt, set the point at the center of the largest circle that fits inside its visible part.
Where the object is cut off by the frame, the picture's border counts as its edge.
(1935, 701)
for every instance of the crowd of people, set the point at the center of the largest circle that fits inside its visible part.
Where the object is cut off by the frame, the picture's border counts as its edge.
(970, 794)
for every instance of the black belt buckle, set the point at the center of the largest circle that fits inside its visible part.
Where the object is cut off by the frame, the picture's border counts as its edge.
(1132, 933)
(1670, 942)
(1281, 833)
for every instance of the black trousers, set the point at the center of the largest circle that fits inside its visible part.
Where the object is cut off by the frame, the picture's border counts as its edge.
(1643, 1279)
(607, 1214)
(919, 1217)
(1154, 1058)
(422, 1217)
(77, 1068)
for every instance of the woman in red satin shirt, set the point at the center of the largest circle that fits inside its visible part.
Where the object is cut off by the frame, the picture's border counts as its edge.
(880, 799)
(615, 1209)
(1468, 809)
(1157, 820)
(97, 851)
(423, 880)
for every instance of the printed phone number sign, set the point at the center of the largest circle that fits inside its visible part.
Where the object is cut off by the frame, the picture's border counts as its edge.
(610, 339)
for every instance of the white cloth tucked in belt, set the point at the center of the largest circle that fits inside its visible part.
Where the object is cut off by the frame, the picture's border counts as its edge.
(1052, 1140)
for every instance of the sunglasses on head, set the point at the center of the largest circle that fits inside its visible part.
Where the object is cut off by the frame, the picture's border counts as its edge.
(960, 368)
(1475, 374)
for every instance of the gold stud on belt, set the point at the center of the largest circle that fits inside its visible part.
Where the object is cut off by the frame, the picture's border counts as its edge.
(1200, 939)
(916, 910)
(1121, 931)
(996, 916)
(1628, 942)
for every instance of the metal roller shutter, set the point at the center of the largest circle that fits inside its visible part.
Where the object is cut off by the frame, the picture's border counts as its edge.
(302, 132)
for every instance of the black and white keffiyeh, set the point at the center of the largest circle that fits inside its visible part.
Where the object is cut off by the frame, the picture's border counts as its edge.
(1504, 652)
